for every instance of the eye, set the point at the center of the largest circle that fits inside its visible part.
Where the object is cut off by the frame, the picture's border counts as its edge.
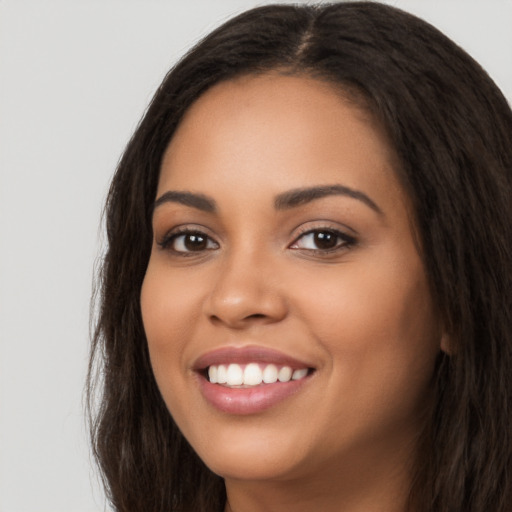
(188, 242)
(323, 240)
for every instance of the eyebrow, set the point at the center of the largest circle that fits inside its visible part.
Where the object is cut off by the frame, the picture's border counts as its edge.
(199, 201)
(301, 196)
(284, 201)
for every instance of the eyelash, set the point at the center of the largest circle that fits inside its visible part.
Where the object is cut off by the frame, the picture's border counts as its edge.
(343, 241)
(170, 239)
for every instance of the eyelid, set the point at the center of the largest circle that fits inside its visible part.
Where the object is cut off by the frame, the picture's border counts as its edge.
(349, 240)
(327, 225)
(187, 229)
(345, 240)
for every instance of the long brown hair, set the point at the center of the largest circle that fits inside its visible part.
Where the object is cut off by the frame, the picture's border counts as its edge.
(452, 131)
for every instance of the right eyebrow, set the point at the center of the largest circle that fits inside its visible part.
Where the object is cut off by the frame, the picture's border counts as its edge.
(300, 196)
(199, 201)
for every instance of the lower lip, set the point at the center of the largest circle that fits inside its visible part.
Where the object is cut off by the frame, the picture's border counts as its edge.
(248, 400)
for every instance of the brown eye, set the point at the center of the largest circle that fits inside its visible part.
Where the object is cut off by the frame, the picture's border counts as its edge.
(195, 242)
(189, 241)
(323, 240)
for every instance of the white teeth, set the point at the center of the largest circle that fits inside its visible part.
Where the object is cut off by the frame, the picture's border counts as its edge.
(234, 376)
(285, 374)
(299, 374)
(270, 374)
(221, 374)
(253, 374)
(212, 374)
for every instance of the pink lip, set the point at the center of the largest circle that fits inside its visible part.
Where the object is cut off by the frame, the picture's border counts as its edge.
(253, 400)
(248, 400)
(245, 355)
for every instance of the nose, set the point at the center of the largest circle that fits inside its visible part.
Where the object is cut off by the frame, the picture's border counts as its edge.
(247, 291)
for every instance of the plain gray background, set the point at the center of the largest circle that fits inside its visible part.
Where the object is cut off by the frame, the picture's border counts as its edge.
(75, 77)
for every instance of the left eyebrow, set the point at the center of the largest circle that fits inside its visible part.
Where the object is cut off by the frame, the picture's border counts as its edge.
(198, 201)
(300, 196)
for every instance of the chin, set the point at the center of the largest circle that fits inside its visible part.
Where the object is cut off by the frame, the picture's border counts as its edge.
(251, 454)
(261, 468)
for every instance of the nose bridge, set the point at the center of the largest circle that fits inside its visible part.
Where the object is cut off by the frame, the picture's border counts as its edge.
(246, 288)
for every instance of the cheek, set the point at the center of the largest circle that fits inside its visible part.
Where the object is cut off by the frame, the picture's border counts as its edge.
(168, 310)
(369, 305)
(378, 326)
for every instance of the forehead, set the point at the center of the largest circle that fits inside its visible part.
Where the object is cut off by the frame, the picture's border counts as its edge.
(272, 132)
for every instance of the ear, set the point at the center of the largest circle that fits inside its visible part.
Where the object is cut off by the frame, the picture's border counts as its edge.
(446, 344)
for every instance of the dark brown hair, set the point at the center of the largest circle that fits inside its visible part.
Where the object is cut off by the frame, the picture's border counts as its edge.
(451, 129)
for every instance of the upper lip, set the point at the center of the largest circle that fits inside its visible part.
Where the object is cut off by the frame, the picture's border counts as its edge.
(245, 355)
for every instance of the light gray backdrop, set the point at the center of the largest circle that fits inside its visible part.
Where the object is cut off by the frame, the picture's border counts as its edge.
(75, 76)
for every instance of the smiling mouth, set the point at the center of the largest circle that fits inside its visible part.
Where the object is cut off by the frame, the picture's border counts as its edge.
(250, 379)
(253, 374)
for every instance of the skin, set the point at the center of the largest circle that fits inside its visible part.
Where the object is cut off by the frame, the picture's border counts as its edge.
(360, 313)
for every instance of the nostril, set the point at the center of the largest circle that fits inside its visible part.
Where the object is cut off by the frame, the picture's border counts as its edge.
(255, 316)
(215, 319)
(244, 320)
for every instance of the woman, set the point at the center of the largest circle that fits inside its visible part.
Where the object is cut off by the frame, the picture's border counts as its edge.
(305, 303)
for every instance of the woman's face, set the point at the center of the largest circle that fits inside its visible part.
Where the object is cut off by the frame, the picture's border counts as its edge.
(283, 250)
